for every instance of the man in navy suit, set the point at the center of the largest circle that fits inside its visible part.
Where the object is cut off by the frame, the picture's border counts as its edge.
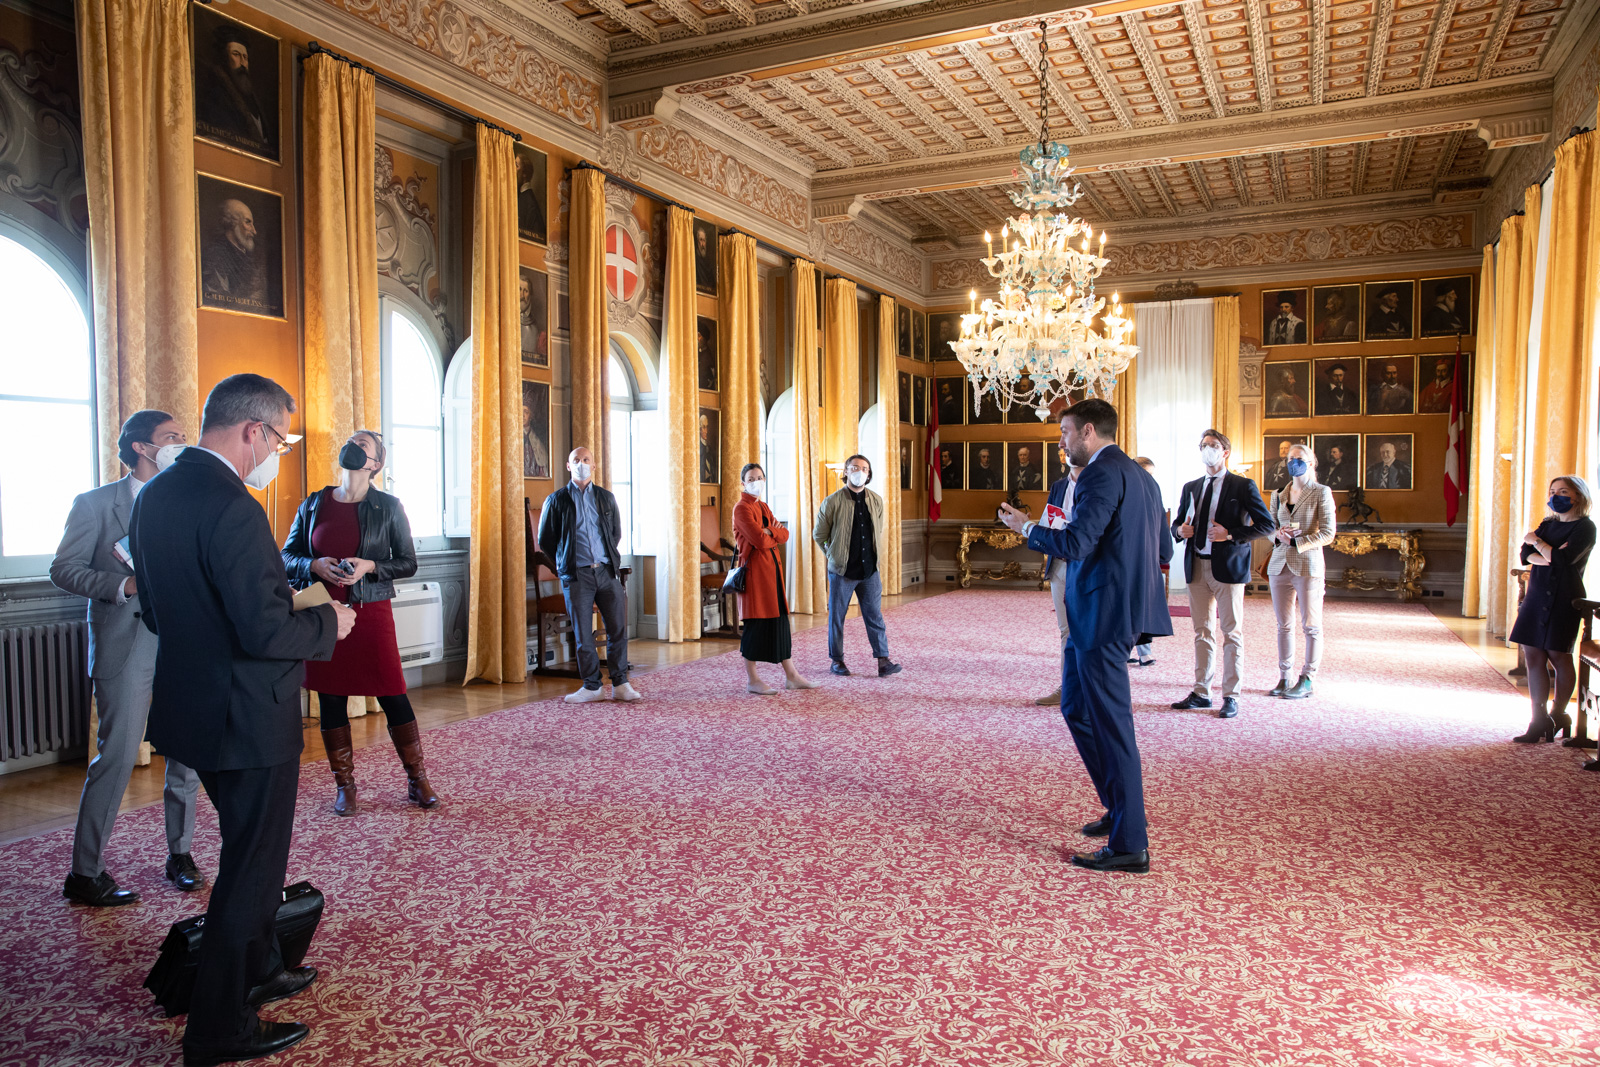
(1056, 569)
(1113, 548)
(1219, 514)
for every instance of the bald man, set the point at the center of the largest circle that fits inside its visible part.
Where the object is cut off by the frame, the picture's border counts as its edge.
(232, 272)
(580, 530)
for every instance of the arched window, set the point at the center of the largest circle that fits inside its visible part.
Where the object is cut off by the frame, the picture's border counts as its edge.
(777, 457)
(46, 403)
(458, 443)
(619, 449)
(412, 420)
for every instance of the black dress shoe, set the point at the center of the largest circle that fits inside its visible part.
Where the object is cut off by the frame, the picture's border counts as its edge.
(101, 891)
(182, 872)
(839, 667)
(264, 1040)
(1151, 662)
(885, 668)
(281, 986)
(1230, 708)
(1099, 828)
(1592, 765)
(1107, 860)
(1281, 688)
(1193, 700)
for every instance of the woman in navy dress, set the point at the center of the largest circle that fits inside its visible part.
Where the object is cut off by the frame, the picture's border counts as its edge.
(1555, 554)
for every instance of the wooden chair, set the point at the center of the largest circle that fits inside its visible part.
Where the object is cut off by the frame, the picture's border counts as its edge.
(1588, 662)
(711, 583)
(548, 611)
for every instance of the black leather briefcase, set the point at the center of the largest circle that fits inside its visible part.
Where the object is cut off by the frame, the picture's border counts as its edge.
(172, 978)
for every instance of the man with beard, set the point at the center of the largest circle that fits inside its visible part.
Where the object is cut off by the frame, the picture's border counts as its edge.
(530, 310)
(1334, 397)
(1277, 473)
(1389, 395)
(1286, 401)
(1288, 328)
(1437, 394)
(705, 260)
(232, 274)
(1444, 318)
(530, 197)
(1337, 471)
(1339, 324)
(950, 402)
(226, 106)
(535, 449)
(1386, 320)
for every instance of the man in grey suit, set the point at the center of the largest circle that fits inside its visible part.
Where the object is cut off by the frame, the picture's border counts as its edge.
(92, 563)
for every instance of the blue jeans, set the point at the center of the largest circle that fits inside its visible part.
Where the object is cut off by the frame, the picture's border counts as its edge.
(869, 592)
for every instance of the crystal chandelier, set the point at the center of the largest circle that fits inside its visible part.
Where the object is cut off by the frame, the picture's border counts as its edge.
(1047, 334)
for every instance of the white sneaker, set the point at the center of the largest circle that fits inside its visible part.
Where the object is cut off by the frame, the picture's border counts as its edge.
(584, 695)
(627, 693)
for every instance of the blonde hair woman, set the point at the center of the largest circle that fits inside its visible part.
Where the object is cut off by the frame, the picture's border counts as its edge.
(1547, 624)
(1307, 520)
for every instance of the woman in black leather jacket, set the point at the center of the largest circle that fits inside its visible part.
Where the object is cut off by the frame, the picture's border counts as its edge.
(356, 540)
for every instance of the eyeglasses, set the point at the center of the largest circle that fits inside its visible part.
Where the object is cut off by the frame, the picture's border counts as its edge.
(286, 443)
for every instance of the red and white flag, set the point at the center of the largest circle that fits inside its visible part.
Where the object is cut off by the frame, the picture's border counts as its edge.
(1455, 456)
(935, 490)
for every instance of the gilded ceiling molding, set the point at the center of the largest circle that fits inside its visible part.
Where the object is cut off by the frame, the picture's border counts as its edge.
(470, 43)
(1312, 244)
(722, 173)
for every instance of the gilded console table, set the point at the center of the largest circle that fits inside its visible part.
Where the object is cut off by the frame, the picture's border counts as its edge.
(994, 537)
(1408, 543)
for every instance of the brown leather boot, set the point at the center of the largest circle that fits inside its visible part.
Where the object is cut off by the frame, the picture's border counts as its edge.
(408, 743)
(342, 761)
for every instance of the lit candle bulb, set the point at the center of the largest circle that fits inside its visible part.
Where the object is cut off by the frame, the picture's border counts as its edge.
(973, 296)
(987, 240)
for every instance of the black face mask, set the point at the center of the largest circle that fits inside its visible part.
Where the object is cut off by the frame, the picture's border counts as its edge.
(352, 457)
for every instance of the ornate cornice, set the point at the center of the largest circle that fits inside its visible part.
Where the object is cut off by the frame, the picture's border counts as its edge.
(874, 251)
(722, 173)
(469, 42)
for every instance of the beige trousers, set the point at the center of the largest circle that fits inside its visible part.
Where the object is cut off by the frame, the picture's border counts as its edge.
(1209, 599)
(1058, 596)
(1286, 589)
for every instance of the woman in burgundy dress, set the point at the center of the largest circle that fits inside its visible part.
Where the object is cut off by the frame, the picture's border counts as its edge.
(356, 540)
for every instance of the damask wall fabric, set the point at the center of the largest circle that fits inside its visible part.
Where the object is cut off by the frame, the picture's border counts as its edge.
(681, 402)
(1563, 424)
(1481, 455)
(590, 349)
(1226, 415)
(138, 143)
(805, 574)
(841, 377)
(343, 370)
(739, 334)
(497, 611)
(889, 447)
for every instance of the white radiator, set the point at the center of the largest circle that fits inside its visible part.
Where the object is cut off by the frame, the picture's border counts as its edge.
(44, 685)
(419, 623)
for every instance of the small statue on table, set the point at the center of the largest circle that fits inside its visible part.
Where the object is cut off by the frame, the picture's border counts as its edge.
(1360, 510)
(1016, 502)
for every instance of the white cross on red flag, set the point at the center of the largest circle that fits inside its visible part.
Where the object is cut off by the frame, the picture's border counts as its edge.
(622, 263)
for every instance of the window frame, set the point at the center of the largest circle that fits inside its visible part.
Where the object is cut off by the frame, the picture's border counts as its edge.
(404, 302)
(38, 565)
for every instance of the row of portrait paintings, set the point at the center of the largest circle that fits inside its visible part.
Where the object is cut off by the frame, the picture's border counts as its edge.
(1371, 311)
(1025, 466)
(1375, 385)
(1344, 460)
(926, 335)
(952, 396)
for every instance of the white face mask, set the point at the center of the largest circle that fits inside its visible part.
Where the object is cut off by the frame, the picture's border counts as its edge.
(1211, 455)
(755, 487)
(581, 472)
(265, 471)
(166, 454)
(858, 478)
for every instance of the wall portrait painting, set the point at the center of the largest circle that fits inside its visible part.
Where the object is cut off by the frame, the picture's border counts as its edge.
(902, 330)
(710, 446)
(952, 465)
(1389, 459)
(705, 333)
(1439, 388)
(919, 335)
(1338, 386)
(1275, 459)
(1025, 463)
(986, 465)
(919, 401)
(535, 429)
(948, 395)
(705, 258)
(241, 247)
(533, 302)
(532, 195)
(236, 93)
(1288, 391)
(1338, 459)
(905, 464)
(905, 396)
(1283, 317)
(1446, 306)
(944, 328)
(1391, 385)
(1388, 308)
(1335, 314)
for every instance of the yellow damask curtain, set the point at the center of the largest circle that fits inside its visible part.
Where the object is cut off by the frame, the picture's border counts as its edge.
(591, 332)
(138, 149)
(739, 331)
(344, 380)
(805, 574)
(841, 375)
(497, 607)
(682, 409)
(889, 412)
(1125, 397)
(1481, 460)
(1225, 414)
(1519, 238)
(1562, 429)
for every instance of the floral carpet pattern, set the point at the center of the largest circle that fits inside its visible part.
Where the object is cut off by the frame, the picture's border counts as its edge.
(875, 873)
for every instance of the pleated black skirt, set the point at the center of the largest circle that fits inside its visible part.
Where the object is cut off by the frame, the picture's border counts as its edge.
(767, 640)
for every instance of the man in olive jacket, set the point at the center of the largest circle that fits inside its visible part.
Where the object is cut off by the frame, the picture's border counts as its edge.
(850, 530)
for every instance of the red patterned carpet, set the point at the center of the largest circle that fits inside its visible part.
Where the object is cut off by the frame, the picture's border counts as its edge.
(874, 874)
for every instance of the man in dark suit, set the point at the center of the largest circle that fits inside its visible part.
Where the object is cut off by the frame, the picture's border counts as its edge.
(226, 696)
(1219, 514)
(1334, 397)
(1113, 548)
(1028, 475)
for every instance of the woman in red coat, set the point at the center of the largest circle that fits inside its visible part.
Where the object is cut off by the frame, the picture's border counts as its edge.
(762, 605)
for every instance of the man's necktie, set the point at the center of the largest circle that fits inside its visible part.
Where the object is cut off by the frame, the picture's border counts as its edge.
(1202, 524)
